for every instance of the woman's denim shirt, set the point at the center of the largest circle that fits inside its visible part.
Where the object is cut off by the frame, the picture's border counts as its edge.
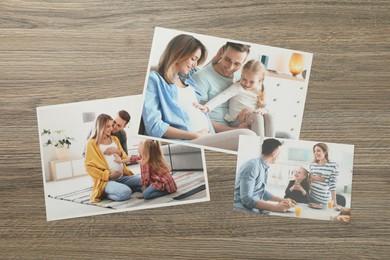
(161, 107)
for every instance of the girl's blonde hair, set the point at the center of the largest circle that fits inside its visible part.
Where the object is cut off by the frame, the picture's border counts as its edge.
(178, 49)
(100, 125)
(308, 176)
(257, 67)
(152, 155)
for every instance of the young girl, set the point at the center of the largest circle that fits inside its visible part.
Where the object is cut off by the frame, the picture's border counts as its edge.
(298, 189)
(247, 93)
(155, 172)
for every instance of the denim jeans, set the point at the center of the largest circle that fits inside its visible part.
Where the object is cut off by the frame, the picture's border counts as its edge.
(122, 188)
(151, 193)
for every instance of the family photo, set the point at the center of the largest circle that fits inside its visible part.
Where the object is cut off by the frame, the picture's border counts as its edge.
(207, 91)
(94, 163)
(293, 178)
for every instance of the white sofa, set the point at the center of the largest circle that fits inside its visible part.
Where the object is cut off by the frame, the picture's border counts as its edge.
(182, 157)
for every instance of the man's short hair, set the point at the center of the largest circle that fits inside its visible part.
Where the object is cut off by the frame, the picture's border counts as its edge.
(269, 146)
(238, 47)
(124, 115)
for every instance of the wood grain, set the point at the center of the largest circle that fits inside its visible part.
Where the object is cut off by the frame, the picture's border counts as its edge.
(54, 52)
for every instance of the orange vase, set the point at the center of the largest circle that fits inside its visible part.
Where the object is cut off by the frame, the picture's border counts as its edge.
(297, 62)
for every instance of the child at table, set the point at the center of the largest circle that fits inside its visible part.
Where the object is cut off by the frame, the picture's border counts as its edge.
(247, 93)
(155, 173)
(298, 189)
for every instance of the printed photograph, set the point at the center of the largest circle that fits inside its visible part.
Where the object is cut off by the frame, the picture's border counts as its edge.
(293, 178)
(207, 91)
(93, 161)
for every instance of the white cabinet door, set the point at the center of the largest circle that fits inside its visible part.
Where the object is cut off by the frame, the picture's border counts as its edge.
(78, 167)
(285, 99)
(63, 170)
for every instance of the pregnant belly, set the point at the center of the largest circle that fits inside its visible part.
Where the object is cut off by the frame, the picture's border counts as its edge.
(198, 120)
(114, 166)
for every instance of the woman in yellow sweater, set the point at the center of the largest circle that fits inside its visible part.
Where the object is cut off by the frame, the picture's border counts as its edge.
(110, 179)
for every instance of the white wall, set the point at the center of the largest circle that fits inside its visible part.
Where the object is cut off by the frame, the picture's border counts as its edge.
(342, 154)
(68, 117)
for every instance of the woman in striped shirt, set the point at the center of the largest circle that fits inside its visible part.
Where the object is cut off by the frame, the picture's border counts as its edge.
(324, 176)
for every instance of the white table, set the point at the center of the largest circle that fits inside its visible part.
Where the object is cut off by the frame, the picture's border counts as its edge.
(308, 212)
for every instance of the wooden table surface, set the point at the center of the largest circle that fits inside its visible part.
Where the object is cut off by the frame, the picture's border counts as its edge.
(55, 52)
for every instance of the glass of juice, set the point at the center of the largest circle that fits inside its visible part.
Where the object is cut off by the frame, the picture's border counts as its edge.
(298, 211)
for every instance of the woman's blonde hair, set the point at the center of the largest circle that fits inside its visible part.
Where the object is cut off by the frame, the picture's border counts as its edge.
(257, 67)
(100, 125)
(178, 49)
(152, 155)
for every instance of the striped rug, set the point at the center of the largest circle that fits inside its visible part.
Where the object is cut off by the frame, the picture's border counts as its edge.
(190, 185)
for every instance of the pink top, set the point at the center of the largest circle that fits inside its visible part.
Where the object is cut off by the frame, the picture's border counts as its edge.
(163, 181)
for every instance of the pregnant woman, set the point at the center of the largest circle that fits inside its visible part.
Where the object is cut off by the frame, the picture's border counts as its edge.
(324, 176)
(169, 110)
(110, 178)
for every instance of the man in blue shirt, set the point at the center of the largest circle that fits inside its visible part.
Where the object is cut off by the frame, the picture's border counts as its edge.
(250, 193)
(217, 76)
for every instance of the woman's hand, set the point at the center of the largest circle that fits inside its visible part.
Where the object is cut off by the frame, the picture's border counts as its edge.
(114, 175)
(112, 150)
(318, 178)
(173, 132)
(117, 158)
(203, 132)
(204, 109)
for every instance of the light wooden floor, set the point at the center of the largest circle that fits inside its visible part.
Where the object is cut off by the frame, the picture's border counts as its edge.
(62, 209)
(54, 52)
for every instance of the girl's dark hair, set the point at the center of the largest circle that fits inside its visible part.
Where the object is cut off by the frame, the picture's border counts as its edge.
(324, 148)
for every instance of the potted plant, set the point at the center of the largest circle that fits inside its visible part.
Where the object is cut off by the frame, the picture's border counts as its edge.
(60, 141)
